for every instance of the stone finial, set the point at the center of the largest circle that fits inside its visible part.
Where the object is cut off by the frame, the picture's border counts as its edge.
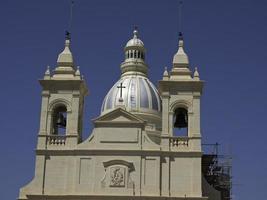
(135, 32)
(47, 73)
(165, 74)
(78, 73)
(196, 74)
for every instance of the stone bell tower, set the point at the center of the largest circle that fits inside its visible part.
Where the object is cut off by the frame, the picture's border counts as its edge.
(180, 94)
(62, 103)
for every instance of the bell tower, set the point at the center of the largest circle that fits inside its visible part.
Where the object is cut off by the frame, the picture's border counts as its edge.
(180, 93)
(62, 103)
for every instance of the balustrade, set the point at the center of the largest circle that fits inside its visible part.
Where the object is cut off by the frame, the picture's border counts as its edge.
(177, 142)
(56, 140)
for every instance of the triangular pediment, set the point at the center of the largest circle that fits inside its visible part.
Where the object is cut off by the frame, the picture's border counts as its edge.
(118, 116)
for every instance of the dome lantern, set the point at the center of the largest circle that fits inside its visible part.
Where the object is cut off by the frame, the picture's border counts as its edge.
(134, 62)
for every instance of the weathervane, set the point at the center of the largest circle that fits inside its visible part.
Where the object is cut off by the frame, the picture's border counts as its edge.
(67, 35)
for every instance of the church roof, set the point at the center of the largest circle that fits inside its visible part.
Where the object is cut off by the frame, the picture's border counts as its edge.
(139, 95)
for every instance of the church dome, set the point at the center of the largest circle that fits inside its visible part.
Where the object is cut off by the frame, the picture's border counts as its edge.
(133, 90)
(137, 94)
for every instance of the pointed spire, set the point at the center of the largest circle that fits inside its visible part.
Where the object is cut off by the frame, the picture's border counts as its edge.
(196, 74)
(65, 63)
(180, 59)
(65, 58)
(180, 69)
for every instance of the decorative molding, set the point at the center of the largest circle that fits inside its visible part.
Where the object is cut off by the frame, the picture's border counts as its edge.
(106, 197)
(107, 152)
(59, 101)
(119, 162)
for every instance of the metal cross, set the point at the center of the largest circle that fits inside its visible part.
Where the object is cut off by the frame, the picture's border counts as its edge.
(121, 87)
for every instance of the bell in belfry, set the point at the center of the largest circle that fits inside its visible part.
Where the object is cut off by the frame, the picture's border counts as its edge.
(181, 118)
(61, 120)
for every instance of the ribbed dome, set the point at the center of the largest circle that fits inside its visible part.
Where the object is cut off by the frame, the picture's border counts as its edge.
(133, 91)
(139, 96)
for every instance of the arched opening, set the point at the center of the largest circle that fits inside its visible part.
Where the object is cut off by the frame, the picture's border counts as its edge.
(138, 54)
(134, 53)
(131, 54)
(59, 120)
(180, 122)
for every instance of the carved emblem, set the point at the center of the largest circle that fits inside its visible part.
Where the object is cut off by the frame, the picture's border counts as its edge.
(117, 176)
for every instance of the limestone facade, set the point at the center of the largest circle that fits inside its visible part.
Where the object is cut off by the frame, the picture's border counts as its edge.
(132, 152)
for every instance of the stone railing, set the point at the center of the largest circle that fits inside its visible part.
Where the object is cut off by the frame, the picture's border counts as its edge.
(179, 142)
(57, 140)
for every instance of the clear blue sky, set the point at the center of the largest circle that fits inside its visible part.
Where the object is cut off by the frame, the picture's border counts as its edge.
(226, 40)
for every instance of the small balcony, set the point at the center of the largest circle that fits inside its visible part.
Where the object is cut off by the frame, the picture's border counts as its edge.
(56, 140)
(178, 143)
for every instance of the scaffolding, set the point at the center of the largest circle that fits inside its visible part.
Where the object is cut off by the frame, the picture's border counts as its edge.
(217, 170)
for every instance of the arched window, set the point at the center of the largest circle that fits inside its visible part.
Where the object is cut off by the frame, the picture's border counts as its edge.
(134, 53)
(180, 122)
(138, 54)
(128, 54)
(131, 54)
(59, 120)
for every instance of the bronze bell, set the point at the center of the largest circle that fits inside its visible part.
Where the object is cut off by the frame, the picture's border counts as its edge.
(181, 119)
(61, 120)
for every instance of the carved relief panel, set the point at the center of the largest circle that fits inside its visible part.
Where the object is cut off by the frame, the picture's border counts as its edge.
(117, 174)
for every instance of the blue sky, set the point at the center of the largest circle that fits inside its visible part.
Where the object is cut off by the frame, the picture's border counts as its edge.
(226, 40)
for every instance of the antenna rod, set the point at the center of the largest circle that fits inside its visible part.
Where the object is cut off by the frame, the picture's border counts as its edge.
(180, 17)
(71, 14)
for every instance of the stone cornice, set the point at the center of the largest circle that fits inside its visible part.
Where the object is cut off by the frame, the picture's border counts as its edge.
(108, 197)
(71, 84)
(136, 152)
(181, 85)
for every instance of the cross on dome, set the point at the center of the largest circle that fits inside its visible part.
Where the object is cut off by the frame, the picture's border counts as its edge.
(120, 87)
